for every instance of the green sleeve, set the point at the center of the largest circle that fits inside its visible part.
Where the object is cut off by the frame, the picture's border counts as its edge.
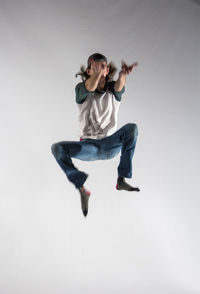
(118, 95)
(81, 92)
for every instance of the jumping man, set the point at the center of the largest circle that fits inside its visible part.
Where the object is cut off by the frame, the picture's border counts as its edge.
(98, 98)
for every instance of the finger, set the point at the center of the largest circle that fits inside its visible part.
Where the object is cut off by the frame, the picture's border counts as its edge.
(124, 69)
(134, 64)
(123, 63)
(127, 69)
(99, 66)
(93, 64)
(96, 65)
(130, 68)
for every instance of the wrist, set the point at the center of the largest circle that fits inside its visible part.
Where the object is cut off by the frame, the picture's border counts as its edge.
(122, 78)
(119, 85)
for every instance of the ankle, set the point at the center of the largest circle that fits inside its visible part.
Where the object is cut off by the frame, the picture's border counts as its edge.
(83, 189)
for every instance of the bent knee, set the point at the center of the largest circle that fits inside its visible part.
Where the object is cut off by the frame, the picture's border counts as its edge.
(55, 149)
(132, 128)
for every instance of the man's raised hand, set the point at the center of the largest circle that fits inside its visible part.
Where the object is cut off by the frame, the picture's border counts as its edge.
(96, 68)
(126, 69)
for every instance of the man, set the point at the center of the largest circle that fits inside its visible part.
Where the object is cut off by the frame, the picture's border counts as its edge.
(98, 98)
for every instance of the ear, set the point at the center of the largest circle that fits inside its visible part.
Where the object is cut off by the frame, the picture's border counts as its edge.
(108, 69)
(88, 71)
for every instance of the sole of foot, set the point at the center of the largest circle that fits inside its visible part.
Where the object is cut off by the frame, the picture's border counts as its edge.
(131, 189)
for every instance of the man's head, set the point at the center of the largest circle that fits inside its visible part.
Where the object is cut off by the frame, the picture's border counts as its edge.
(97, 57)
(110, 69)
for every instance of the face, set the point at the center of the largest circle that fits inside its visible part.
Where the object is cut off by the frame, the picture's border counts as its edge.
(103, 66)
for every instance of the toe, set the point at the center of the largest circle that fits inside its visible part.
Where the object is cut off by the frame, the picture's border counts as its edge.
(85, 212)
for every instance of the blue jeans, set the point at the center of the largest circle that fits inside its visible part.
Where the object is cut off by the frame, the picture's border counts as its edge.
(97, 149)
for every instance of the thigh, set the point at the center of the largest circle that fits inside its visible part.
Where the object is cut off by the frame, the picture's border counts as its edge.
(82, 150)
(111, 145)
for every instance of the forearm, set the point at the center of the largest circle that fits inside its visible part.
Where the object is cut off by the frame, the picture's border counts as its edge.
(120, 83)
(92, 83)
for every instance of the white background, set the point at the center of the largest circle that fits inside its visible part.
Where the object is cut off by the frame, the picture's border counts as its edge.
(130, 242)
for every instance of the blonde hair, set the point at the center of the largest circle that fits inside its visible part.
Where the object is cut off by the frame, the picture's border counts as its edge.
(109, 77)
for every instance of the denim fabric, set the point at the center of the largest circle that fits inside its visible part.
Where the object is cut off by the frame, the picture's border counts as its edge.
(97, 149)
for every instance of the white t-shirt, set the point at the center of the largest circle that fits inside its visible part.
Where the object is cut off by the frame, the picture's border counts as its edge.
(97, 111)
